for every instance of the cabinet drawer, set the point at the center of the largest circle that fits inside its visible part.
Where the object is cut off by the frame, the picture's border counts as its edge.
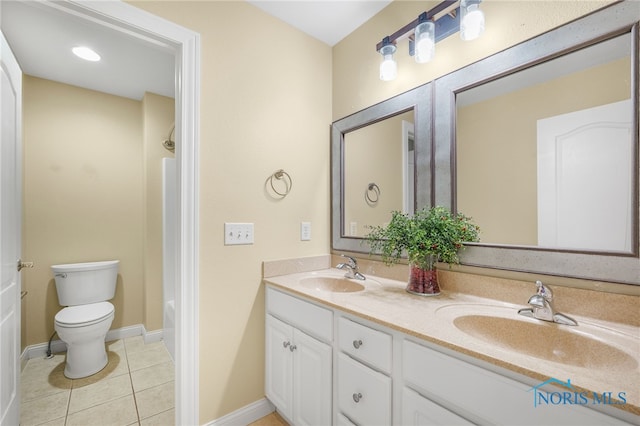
(418, 410)
(364, 395)
(483, 396)
(366, 344)
(306, 316)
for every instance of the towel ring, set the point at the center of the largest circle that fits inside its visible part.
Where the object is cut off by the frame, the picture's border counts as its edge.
(283, 176)
(372, 194)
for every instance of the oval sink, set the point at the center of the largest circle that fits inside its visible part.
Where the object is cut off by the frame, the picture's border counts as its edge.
(553, 342)
(331, 284)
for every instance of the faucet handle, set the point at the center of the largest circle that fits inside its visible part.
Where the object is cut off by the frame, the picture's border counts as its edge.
(352, 262)
(544, 291)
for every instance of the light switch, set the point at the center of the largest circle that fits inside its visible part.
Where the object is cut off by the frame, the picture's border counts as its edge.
(238, 233)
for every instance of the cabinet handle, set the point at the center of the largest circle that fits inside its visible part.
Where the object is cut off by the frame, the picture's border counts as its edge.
(293, 348)
(357, 344)
(357, 397)
(285, 344)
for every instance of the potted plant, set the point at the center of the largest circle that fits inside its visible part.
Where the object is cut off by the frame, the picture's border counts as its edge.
(431, 235)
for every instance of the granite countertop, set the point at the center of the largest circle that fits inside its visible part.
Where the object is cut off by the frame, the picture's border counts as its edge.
(608, 359)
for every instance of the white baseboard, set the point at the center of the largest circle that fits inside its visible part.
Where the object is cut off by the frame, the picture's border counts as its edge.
(57, 346)
(245, 415)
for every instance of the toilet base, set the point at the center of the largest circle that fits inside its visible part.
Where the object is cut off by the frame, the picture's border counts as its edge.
(86, 359)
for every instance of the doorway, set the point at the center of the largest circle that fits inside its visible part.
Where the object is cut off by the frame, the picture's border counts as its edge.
(185, 44)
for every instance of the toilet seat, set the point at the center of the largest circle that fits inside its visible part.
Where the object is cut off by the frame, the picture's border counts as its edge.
(84, 315)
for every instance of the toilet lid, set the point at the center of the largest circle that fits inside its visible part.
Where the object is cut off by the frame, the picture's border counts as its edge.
(84, 314)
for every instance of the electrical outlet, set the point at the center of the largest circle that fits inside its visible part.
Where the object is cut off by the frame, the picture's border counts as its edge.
(305, 231)
(238, 233)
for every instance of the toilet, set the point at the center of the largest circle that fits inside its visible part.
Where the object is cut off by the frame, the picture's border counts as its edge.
(84, 289)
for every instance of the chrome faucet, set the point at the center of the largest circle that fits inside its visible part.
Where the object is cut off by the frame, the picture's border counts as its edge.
(542, 307)
(351, 265)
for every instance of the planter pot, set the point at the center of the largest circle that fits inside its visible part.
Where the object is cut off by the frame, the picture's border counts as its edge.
(423, 281)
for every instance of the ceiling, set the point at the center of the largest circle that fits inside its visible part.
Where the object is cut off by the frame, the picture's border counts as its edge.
(42, 37)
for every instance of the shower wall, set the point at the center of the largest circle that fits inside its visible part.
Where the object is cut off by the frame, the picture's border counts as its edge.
(157, 119)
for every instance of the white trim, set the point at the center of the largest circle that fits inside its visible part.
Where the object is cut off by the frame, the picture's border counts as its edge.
(185, 43)
(245, 415)
(152, 336)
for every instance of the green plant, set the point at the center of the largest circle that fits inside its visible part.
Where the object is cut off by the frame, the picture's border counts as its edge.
(429, 232)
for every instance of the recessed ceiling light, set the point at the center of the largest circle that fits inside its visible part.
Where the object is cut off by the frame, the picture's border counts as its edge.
(86, 53)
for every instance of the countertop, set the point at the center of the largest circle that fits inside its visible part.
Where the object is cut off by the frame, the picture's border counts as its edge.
(591, 368)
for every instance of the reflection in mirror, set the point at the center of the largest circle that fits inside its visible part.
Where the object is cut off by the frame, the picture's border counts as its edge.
(378, 173)
(545, 156)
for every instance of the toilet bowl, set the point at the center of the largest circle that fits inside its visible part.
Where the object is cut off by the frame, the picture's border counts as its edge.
(84, 328)
(84, 289)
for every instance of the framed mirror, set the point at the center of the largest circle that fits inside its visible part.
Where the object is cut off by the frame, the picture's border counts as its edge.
(380, 162)
(539, 144)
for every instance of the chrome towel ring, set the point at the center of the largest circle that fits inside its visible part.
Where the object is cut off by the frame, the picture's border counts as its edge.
(372, 194)
(284, 177)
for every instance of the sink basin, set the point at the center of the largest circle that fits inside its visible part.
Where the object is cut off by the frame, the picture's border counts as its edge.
(331, 284)
(585, 345)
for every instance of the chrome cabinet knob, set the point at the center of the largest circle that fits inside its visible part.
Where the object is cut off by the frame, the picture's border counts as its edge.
(285, 344)
(357, 397)
(357, 343)
(293, 348)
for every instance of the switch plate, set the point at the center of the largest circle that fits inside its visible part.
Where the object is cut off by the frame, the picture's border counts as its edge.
(353, 229)
(238, 233)
(305, 231)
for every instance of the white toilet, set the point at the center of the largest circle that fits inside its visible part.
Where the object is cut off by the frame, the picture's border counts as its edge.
(83, 325)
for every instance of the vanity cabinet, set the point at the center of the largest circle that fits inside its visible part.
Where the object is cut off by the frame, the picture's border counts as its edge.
(418, 411)
(298, 365)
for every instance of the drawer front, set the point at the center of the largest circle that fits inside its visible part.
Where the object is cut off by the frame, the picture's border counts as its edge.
(364, 395)
(306, 316)
(366, 344)
(483, 396)
(418, 410)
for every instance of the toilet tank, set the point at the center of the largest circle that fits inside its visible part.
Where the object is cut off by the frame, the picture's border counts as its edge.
(83, 283)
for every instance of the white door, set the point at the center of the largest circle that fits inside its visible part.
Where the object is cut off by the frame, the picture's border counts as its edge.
(10, 219)
(585, 161)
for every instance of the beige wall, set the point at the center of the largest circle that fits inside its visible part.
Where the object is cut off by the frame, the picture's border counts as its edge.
(83, 195)
(157, 119)
(92, 191)
(265, 105)
(373, 154)
(492, 189)
(356, 83)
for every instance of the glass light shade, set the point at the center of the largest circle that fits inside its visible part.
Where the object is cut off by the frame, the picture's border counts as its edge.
(425, 41)
(471, 20)
(388, 67)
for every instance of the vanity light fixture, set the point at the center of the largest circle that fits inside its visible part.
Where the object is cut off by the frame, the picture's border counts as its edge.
(424, 39)
(388, 66)
(439, 22)
(471, 20)
(86, 53)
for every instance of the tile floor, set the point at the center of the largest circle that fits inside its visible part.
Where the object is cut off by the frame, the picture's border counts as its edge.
(136, 388)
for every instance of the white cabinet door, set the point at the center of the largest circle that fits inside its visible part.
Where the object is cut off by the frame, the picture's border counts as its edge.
(311, 380)
(279, 365)
(418, 411)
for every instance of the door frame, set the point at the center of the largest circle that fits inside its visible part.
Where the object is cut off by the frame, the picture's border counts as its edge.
(185, 43)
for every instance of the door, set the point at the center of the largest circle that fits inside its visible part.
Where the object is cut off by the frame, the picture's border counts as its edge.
(311, 380)
(10, 229)
(585, 161)
(278, 365)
